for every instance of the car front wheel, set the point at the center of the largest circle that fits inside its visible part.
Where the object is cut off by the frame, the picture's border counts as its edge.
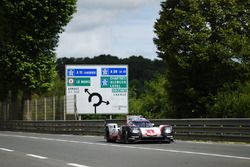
(107, 135)
(126, 140)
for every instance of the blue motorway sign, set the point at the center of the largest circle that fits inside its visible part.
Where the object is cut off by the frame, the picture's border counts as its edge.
(82, 72)
(114, 71)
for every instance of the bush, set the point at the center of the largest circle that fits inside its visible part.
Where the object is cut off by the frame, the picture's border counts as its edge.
(232, 102)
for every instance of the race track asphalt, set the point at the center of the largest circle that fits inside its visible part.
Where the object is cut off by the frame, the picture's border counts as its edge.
(18, 149)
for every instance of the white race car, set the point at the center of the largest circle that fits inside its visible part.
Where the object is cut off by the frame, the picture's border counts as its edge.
(138, 129)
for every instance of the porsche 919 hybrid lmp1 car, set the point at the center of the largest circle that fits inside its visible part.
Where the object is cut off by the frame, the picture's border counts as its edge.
(138, 129)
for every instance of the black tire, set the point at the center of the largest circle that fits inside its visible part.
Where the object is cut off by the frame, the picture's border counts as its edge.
(107, 135)
(126, 140)
(167, 140)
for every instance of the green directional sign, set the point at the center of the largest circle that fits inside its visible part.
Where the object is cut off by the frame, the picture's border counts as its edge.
(78, 82)
(114, 82)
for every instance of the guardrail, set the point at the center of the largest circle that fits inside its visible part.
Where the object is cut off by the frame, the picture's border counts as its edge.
(211, 129)
(93, 127)
(185, 129)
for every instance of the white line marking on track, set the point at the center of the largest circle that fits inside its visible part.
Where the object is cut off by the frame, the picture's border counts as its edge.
(76, 165)
(36, 156)
(132, 147)
(196, 153)
(5, 149)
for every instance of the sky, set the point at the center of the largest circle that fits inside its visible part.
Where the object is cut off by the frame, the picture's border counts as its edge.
(120, 28)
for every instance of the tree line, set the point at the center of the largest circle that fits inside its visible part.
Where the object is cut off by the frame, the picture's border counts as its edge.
(140, 69)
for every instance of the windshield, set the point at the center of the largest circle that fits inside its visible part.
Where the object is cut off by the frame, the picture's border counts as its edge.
(142, 124)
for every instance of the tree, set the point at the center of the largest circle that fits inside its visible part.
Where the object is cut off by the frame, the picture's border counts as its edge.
(154, 101)
(205, 44)
(29, 33)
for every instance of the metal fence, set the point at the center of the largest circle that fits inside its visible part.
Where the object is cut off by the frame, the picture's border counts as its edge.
(185, 129)
(46, 108)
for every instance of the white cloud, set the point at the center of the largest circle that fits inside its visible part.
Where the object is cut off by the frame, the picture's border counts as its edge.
(117, 27)
(134, 37)
(85, 45)
(113, 4)
(94, 13)
(89, 19)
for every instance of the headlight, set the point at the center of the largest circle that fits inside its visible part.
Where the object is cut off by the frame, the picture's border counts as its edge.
(135, 130)
(168, 130)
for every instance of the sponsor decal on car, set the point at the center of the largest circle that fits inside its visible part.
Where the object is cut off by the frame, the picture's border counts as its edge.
(150, 132)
